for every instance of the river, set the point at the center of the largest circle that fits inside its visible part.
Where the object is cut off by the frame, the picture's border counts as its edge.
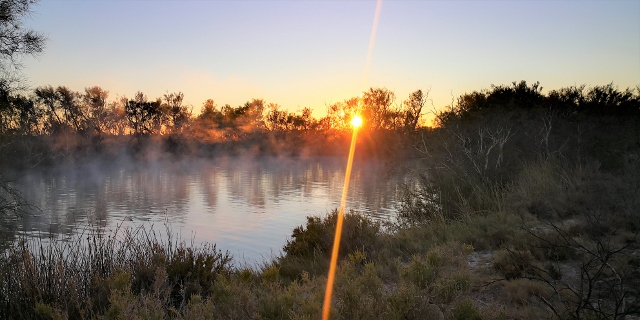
(248, 207)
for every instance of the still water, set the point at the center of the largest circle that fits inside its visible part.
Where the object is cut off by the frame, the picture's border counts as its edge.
(248, 207)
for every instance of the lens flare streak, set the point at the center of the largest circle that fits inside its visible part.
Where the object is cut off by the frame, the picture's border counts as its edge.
(336, 239)
(356, 122)
(372, 41)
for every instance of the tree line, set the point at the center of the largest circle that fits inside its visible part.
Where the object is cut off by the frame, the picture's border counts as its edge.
(492, 116)
(54, 111)
(600, 100)
(51, 111)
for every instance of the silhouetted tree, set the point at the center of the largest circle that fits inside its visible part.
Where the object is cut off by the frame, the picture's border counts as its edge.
(6, 109)
(28, 116)
(499, 100)
(64, 110)
(517, 96)
(275, 120)
(94, 103)
(339, 114)
(116, 121)
(74, 114)
(18, 115)
(145, 117)
(176, 113)
(303, 121)
(376, 108)
(413, 109)
(605, 100)
(280, 120)
(15, 40)
(46, 97)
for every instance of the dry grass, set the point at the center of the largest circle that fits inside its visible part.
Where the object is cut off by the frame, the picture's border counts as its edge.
(88, 275)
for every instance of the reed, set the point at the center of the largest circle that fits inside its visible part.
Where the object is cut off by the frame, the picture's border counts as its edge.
(80, 276)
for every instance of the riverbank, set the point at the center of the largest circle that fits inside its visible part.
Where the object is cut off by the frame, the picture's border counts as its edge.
(559, 242)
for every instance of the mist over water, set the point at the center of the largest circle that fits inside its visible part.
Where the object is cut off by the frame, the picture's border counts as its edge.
(248, 206)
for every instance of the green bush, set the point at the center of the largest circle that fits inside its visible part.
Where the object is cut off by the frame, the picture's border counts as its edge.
(419, 272)
(465, 310)
(310, 246)
(192, 271)
(358, 233)
(358, 290)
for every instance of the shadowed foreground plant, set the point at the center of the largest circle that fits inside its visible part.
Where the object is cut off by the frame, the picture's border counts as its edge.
(88, 275)
(310, 247)
(581, 256)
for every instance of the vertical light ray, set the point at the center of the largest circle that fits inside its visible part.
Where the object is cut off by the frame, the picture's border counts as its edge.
(326, 308)
(336, 239)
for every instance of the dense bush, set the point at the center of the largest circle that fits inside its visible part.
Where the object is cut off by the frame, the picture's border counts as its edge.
(309, 248)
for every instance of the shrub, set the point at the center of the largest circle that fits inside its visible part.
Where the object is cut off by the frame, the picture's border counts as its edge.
(192, 271)
(359, 291)
(451, 286)
(523, 291)
(358, 233)
(465, 310)
(513, 263)
(129, 272)
(310, 247)
(419, 272)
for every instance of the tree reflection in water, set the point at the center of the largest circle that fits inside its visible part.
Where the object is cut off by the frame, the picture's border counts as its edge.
(246, 206)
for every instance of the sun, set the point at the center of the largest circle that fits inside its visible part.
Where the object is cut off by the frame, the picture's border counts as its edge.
(356, 121)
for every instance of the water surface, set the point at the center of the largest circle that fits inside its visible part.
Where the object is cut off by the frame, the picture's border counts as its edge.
(246, 206)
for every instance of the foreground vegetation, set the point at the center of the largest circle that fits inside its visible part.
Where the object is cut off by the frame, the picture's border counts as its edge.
(557, 242)
(525, 206)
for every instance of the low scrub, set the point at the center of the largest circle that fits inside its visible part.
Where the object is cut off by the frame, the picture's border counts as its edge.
(309, 248)
(96, 274)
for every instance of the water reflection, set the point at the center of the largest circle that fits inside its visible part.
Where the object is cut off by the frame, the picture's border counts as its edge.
(248, 207)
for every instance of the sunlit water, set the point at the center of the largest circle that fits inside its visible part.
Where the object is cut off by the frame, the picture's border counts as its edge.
(248, 207)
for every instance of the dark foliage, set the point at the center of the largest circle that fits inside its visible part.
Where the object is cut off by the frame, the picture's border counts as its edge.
(310, 246)
(15, 40)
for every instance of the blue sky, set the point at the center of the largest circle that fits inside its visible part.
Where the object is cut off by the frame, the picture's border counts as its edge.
(312, 53)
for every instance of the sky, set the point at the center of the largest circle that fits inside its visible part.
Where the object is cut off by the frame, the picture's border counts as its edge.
(312, 54)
